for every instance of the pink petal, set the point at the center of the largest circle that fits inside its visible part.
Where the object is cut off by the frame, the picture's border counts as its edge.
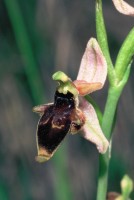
(85, 88)
(92, 130)
(93, 68)
(123, 7)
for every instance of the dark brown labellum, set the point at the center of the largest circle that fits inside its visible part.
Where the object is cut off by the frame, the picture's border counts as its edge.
(57, 120)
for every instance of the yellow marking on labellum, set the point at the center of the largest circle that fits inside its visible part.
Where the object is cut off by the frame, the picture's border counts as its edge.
(43, 155)
(57, 126)
(41, 159)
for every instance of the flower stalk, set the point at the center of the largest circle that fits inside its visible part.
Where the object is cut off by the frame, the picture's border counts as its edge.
(107, 123)
(118, 77)
(103, 42)
(107, 126)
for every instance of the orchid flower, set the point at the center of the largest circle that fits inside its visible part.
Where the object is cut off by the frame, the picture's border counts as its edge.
(124, 7)
(66, 114)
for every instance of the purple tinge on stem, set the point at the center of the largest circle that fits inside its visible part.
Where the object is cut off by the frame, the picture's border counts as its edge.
(124, 7)
(93, 69)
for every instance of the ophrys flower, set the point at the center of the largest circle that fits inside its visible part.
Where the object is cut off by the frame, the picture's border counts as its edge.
(66, 115)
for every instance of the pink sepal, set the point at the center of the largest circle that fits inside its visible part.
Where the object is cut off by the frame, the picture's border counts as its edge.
(91, 130)
(123, 7)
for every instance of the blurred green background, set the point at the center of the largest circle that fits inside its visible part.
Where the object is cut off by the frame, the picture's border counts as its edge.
(37, 38)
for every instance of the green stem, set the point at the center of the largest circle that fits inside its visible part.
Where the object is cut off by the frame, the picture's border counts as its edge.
(110, 109)
(107, 127)
(103, 42)
(107, 123)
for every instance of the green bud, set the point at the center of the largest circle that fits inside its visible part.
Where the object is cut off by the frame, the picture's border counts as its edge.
(126, 187)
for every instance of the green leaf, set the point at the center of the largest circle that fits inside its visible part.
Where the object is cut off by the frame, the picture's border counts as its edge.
(124, 56)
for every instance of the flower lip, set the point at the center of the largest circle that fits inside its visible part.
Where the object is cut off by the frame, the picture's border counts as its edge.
(54, 124)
